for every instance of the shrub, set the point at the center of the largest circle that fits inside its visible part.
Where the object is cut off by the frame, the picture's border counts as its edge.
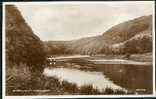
(71, 87)
(119, 91)
(88, 90)
(108, 91)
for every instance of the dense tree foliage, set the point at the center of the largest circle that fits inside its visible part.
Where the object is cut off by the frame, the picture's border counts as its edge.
(22, 45)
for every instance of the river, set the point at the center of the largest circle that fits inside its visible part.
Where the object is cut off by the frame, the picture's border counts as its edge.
(119, 75)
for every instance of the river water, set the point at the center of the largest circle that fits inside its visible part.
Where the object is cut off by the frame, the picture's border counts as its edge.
(137, 78)
(97, 79)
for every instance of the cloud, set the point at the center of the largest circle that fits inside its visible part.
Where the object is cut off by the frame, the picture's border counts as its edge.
(73, 21)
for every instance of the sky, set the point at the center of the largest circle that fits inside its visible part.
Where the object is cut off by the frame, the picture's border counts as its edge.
(69, 21)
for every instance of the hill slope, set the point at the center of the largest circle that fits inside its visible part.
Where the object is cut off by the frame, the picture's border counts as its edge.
(126, 34)
(22, 45)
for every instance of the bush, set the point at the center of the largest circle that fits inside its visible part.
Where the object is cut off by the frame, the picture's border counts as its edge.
(88, 90)
(119, 92)
(70, 87)
(19, 74)
(108, 91)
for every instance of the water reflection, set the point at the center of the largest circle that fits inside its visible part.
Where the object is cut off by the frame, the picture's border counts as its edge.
(97, 79)
(133, 77)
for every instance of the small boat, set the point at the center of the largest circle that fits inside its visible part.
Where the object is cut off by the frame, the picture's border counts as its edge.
(51, 61)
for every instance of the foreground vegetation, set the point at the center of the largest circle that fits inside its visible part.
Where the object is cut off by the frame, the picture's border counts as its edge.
(22, 82)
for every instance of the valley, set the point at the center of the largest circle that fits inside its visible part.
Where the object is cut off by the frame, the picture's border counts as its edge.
(117, 62)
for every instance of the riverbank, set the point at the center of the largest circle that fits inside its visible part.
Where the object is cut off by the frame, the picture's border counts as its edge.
(134, 59)
(138, 57)
(52, 86)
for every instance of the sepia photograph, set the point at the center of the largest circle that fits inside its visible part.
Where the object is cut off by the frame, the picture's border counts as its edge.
(79, 48)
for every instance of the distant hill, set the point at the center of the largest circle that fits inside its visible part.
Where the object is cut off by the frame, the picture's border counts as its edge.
(133, 36)
(22, 45)
(141, 43)
(128, 29)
